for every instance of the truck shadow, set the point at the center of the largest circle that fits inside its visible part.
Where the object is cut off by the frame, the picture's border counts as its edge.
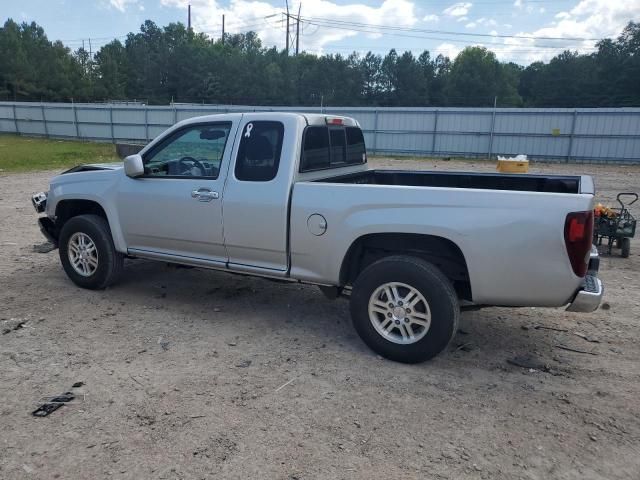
(485, 339)
(295, 313)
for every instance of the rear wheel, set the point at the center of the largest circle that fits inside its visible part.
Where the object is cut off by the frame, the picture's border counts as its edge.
(626, 247)
(404, 309)
(87, 252)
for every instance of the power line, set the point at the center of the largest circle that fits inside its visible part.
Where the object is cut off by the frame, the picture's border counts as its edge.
(399, 34)
(330, 21)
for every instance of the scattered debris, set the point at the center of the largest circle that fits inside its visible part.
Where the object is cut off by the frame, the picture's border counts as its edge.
(45, 409)
(585, 337)
(576, 350)
(133, 378)
(605, 306)
(45, 247)
(243, 364)
(285, 384)
(462, 332)
(555, 329)
(465, 347)
(53, 404)
(527, 361)
(12, 325)
(77, 385)
(64, 398)
(163, 343)
(232, 344)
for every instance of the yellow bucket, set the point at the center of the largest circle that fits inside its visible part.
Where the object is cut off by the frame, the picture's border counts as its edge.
(512, 165)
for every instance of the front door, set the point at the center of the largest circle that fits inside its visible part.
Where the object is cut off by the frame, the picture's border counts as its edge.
(175, 208)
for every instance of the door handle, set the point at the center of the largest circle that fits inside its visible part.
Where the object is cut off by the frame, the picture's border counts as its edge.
(204, 195)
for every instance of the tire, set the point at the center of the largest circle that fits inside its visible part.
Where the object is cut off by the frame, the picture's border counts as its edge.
(626, 247)
(101, 266)
(371, 312)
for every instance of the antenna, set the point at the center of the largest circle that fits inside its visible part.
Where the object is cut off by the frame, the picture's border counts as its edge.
(189, 17)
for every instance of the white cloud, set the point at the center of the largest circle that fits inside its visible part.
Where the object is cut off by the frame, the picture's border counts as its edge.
(431, 18)
(448, 50)
(470, 25)
(121, 4)
(507, 25)
(588, 19)
(462, 19)
(517, 4)
(542, 10)
(487, 22)
(245, 15)
(458, 9)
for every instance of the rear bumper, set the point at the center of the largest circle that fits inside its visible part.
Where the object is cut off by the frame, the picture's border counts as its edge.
(590, 294)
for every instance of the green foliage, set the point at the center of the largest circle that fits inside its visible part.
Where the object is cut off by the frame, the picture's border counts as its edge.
(22, 154)
(163, 64)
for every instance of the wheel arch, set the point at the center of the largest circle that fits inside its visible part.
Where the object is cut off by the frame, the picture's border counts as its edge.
(440, 251)
(67, 209)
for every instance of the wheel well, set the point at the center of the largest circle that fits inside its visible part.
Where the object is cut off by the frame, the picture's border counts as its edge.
(441, 252)
(68, 209)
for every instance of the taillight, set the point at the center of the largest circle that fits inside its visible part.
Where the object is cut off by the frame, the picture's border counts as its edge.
(578, 233)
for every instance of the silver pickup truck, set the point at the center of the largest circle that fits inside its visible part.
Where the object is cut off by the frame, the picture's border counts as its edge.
(289, 196)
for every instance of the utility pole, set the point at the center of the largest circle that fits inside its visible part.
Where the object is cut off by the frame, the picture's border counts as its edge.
(287, 3)
(298, 30)
(189, 17)
(223, 29)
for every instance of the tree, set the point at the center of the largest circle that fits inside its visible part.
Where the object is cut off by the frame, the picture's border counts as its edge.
(160, 64)
(477, 77)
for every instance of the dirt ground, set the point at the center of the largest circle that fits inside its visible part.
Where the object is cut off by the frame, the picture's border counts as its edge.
(198, 374)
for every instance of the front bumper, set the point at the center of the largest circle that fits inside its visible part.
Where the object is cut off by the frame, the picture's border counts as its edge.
(48, 229)
(590, 294)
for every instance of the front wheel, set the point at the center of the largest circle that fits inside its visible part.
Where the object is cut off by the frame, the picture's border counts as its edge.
(404, 309)
(87, 252)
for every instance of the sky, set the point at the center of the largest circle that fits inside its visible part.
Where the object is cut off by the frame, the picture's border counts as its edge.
(522, 31)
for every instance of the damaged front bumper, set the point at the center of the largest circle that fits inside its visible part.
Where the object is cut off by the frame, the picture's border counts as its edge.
(39, 201)
(47, 226)
(48, 229)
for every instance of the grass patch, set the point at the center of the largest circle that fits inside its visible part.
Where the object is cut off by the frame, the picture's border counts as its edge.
(26, 154)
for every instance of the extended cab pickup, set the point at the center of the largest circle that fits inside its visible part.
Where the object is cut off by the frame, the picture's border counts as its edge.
(289, 196)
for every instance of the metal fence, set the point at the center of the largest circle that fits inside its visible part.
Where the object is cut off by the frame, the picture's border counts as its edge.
(593, 135)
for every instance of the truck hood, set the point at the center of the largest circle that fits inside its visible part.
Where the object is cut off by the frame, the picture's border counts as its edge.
(94, 166)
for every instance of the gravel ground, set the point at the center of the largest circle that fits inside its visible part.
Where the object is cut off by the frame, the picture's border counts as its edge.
(198, 374)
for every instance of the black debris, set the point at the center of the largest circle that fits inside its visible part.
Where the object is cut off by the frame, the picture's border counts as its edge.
(528, 361)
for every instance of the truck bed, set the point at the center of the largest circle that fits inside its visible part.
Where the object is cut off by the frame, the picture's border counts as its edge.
(486, 181)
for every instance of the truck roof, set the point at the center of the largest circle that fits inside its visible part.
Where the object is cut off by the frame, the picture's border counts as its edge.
(310, 118)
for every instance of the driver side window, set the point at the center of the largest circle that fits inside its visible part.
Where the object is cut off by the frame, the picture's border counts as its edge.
(195, 151)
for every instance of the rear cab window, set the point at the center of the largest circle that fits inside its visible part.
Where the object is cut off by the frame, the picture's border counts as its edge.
(259, 151)
(325, 147)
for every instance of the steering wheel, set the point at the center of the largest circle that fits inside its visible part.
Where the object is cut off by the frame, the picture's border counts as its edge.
(184, 167)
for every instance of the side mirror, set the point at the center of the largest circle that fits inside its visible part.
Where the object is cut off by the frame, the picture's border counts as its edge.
(133, 166)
